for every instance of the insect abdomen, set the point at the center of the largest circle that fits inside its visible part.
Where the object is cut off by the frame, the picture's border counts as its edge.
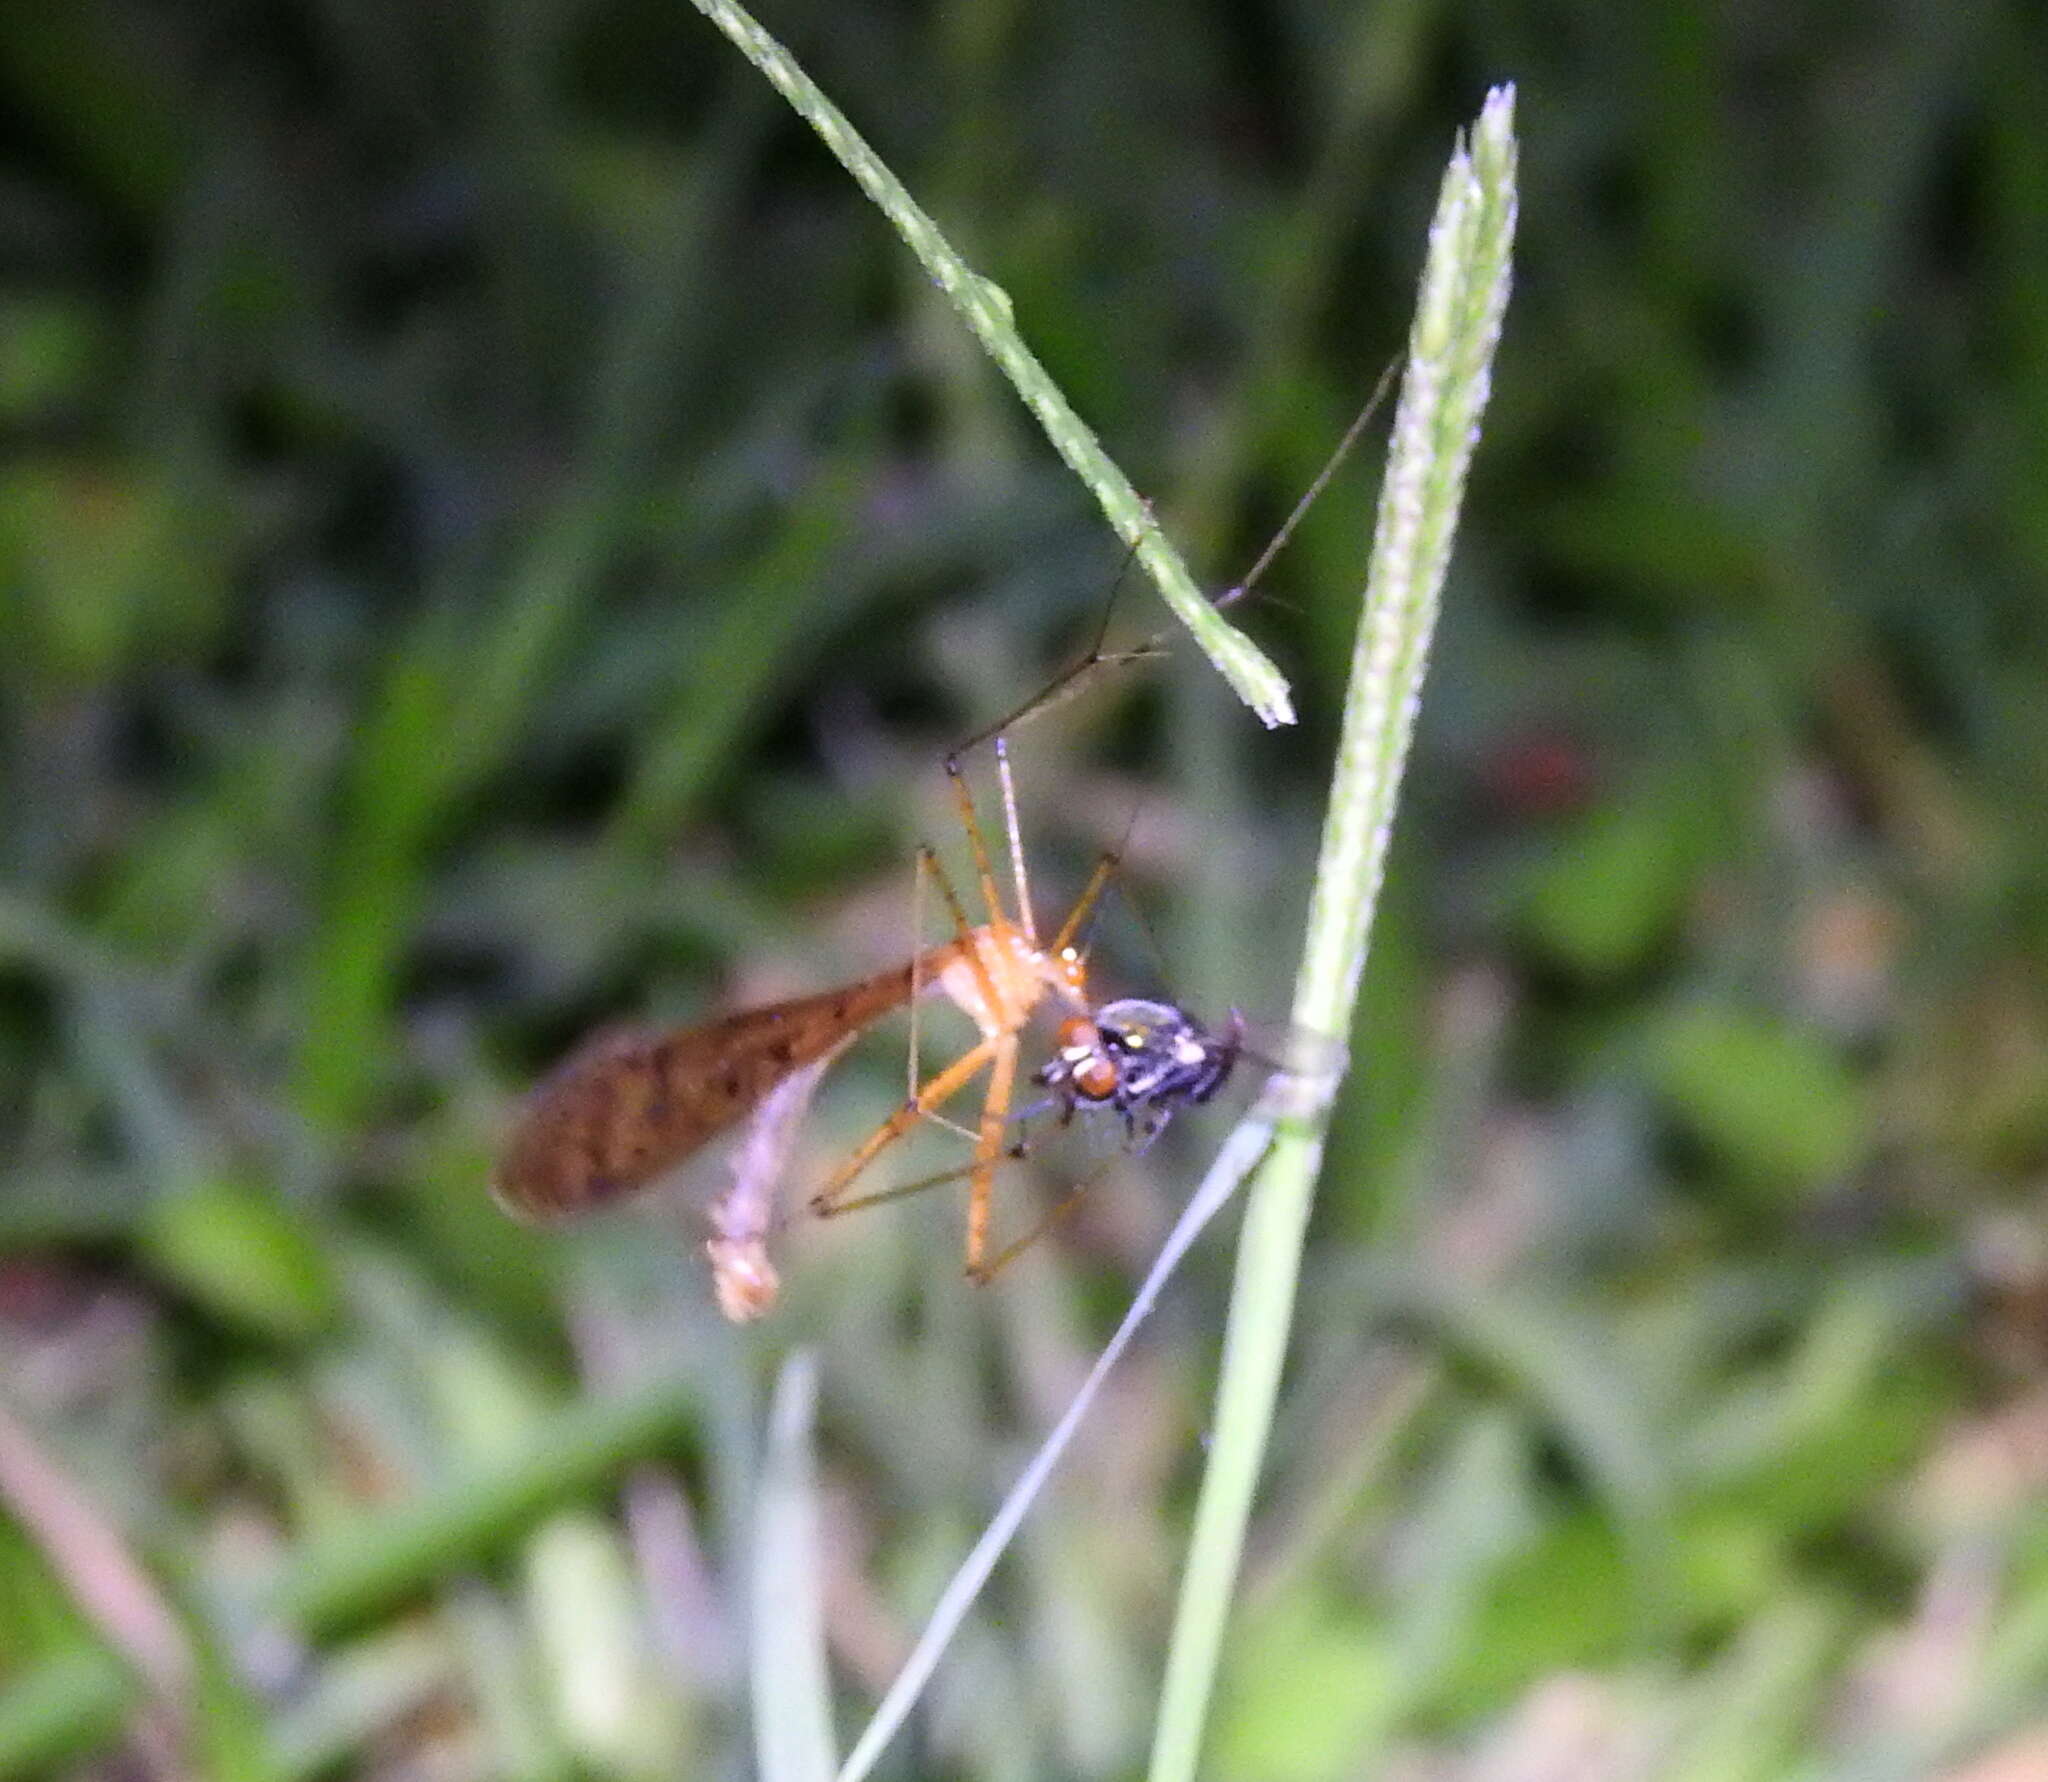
(630, 1106)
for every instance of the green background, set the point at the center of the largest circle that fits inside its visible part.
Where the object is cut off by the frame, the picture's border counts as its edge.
(496, 536)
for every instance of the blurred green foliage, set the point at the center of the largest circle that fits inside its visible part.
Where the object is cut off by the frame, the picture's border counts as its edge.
(495, 538)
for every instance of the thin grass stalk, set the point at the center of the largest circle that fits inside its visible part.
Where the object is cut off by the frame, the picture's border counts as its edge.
(1443, 394)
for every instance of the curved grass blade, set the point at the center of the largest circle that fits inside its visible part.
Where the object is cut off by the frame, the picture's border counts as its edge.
(985, 307)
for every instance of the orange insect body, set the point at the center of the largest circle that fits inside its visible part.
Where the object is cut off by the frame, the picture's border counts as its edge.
(630, 1107)
(1007, 976)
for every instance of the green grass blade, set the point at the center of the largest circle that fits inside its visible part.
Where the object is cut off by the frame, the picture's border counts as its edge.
(393, 1554)
(58, 1710)
(1451, 347)
(792, 1691)
(985, 307)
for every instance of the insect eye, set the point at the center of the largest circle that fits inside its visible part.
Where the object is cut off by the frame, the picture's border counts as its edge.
(1075, 1035)
(1097, 1080)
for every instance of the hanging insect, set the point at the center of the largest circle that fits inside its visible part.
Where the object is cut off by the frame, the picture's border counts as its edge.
(627, 1109)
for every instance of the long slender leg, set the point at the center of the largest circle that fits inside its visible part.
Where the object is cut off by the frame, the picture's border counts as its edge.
(916, 967)
(995, 1113)
(1015, 830)
(928, 867)
(968, 940)
(1105, 870)
(1107, 867)
(1073, 677)
(941, 1089)
(1230, 596)
(904, 1190)
(969, 944)
(1061, 1209)
(1076, 675)
(984, 873)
